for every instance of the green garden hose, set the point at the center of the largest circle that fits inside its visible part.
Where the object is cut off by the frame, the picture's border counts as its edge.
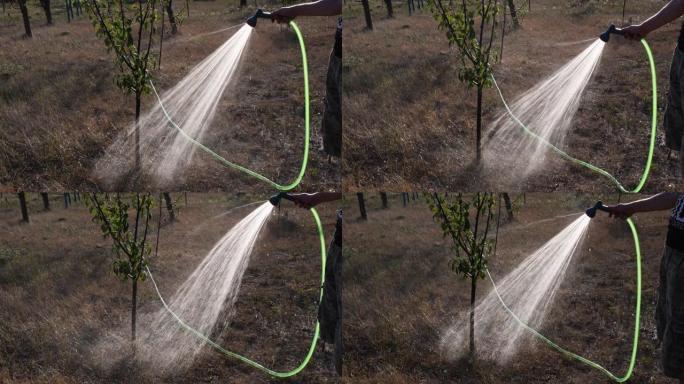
(654, 123)
(244, 359)
(307, 130)
(635, 342)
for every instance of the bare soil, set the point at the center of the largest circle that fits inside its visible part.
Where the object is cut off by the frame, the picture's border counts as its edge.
(60, 108)
(410, 122)
(400, 295)
(59, 296)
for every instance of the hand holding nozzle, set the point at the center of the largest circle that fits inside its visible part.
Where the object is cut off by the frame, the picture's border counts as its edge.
(620, 211)
(260, 14)
(605, 36)
(306, 200)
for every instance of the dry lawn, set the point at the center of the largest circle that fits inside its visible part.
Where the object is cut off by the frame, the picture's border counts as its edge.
(59, 296)
(410, 123)
(60, 108)
(400, 294)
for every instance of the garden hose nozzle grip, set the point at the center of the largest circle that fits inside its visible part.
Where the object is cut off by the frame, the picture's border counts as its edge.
(275, 199)
(605, 36)
(260, 14)
(591, 212)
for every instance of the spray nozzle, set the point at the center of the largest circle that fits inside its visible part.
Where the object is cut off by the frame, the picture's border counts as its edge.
(605, 36)
(275, 199)
(591, 212)
(260, 14)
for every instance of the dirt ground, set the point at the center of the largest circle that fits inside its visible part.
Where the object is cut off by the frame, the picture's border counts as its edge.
(60, 108)
(400, 294)
(59, 296)
(410, 123)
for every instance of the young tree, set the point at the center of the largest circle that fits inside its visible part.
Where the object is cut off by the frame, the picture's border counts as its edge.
(25, 17)
(468, 225)
(128, 235)
(474, 44)
(22, 206)
(127, 28)
(367, 14)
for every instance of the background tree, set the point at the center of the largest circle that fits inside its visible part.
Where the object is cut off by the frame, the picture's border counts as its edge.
(470, 26)
(468, 224)
(48, 12)
(46, 201)
(129, 237)
(172, 16)
(383, 199)
(514, 14)
(362, 205)
(128, 28)
(169, 206)
(390, 10)
(23, 207)
(25, 17)
(367, 14)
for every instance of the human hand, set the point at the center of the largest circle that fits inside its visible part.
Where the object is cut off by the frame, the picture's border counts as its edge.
(620, 211)
(283, 15)
(634, 32)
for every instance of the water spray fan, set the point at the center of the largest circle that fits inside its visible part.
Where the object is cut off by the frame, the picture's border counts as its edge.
(260, 14)
(316, 331)
(605, 36)
(591, 212)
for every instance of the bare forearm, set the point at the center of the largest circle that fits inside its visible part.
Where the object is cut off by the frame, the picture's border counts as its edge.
(670, 12)
(324, 197)
(317, 8)
(659, 202)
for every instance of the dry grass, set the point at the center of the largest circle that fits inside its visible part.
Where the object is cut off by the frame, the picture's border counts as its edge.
(410, 123)
(400, 294)
(60, 108)
(59, 297)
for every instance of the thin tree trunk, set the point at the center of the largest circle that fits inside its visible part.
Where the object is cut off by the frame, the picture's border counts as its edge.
(169, 205)
(503, 31)
(362, 206)
(624, 5)
(514, 13)
(367, 14)
(25, 16)
(48, 11)
(22, 205)
(479, 124)
(134, 306)
(46, 201)
(473, 288)
(243, 3)
(161, 39)
(383, 197)
(172, 18)
(137, 132)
